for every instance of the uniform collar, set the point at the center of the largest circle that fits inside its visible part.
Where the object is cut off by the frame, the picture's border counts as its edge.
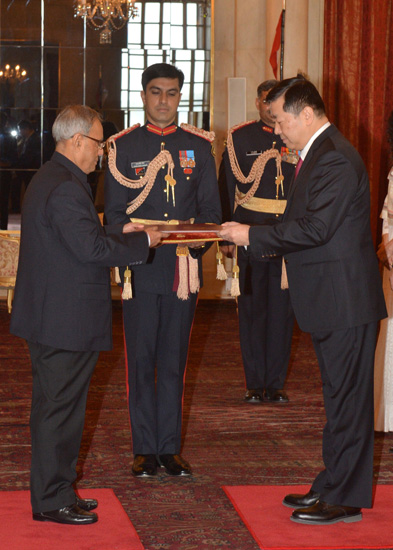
(266, 127)
(161, 131)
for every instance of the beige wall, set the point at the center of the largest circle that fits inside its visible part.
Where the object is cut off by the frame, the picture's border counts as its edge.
(243, 34)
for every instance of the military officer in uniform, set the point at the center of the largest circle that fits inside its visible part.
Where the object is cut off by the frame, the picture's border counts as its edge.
(255, 153)
(158, 173)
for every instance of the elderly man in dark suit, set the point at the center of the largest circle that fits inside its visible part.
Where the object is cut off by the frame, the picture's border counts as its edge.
(62, 306)
(335, 289)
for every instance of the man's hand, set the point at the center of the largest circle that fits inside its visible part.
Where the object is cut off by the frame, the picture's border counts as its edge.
(195, 245)
(228, 250)
(130, 227)
(235, 233)
(154, 236)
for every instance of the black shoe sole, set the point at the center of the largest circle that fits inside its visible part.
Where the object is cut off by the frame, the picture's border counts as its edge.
(144, 474)
(346, 519)
(182, 474)
(43, 518)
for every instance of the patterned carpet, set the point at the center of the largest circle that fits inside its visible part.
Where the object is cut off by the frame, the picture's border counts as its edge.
(227, 441)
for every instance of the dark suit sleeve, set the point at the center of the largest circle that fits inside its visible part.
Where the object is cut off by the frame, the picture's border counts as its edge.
(328, 192)
(73, 219)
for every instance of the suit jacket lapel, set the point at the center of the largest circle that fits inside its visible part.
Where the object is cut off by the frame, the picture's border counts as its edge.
(303, 169)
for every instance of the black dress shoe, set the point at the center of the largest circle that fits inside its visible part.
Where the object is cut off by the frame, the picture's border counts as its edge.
(301, 501)
(175, 465)
(323, 513)
(254, 396)
(275, 396)
(144, 466)
(87, 504)
(71, 515)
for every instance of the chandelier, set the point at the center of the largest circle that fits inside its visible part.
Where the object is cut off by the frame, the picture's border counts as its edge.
(105, 15)
(13, 75)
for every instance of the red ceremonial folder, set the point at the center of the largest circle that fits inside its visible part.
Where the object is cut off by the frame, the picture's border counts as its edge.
(190, 232)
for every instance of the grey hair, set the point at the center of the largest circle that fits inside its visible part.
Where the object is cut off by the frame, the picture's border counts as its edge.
(73, 119)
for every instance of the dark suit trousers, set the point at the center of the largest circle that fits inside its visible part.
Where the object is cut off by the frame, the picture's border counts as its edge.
(60, 384)
(265, 323)
(346, 361)
(157, 331)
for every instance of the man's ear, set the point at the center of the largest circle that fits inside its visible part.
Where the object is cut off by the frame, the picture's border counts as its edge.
(76, 140)
(143, 96)
(308, 114)
(257, 103)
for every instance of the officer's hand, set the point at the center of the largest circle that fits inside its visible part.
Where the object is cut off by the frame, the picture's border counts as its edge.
(228, 250)
(195, 245)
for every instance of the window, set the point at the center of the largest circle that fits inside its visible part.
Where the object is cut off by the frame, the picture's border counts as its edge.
(168, 32)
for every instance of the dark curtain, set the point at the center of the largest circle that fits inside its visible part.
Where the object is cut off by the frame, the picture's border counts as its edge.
(358, 84)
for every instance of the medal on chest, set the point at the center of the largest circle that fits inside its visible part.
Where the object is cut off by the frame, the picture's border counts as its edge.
(187, 161)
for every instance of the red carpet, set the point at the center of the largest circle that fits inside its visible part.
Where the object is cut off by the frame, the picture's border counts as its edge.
(113, 531)
(268, 521)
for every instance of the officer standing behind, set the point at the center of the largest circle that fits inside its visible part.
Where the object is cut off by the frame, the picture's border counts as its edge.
(160, 172)
(265, 313)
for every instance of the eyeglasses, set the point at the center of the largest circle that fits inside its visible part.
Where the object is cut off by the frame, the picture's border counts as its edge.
(101, 144)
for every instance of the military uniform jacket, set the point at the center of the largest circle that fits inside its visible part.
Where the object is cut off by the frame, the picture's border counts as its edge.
(249, 142)
(62, 294)
(196, 193)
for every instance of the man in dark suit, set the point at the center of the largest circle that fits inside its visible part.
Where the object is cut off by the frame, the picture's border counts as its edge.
(335, 289)
(161, 172)
(265, 312)
(62, 306)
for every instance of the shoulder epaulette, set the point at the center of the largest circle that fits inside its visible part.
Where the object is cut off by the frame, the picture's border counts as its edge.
(241, 125)
(209, 136)
(123, 132)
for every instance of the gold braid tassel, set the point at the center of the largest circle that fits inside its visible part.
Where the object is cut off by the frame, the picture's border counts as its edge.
(193, 274)
(221, 273)
(183, 289)
(127, 290)
(188, 273)
(235, 287)
(284, 276)
(182, 257)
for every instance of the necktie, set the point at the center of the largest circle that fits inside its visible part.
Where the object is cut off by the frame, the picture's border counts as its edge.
(299, 163)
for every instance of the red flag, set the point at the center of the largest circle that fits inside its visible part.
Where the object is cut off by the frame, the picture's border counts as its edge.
(276, 47)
